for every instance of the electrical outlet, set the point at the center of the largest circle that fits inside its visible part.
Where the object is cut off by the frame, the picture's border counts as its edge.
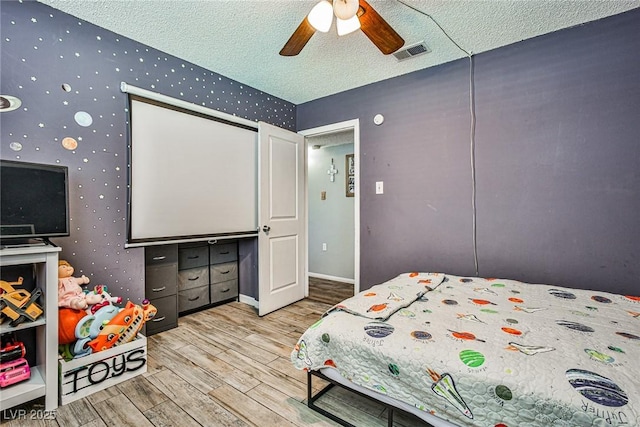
(379, 187)
(324, 247)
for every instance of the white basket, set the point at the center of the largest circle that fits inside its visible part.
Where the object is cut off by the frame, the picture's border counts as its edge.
(86, 375)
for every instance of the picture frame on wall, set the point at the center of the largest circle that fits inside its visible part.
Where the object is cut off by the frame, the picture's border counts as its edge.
(349, 167)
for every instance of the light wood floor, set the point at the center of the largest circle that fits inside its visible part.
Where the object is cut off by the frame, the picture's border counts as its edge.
(224, 366)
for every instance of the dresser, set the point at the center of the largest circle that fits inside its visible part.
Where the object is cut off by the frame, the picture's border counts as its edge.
(161, 286)
(188, 277)
(207, 274)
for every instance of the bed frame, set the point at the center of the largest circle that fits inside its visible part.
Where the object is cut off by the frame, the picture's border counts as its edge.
(311, 398)
(392, 405)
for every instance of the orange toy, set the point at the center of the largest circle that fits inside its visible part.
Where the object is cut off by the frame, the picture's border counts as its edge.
(124, 326)
(68, 319)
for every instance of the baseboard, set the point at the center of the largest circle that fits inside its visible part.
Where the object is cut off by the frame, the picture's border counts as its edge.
(334, 278)
(248, 300)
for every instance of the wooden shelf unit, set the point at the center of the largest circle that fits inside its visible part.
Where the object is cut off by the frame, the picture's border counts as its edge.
(44, 375)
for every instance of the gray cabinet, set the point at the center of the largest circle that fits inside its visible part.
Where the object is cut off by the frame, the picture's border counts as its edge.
(193, 276)
(186, 277)
(207, 274)
(161, 286)
(223, 260)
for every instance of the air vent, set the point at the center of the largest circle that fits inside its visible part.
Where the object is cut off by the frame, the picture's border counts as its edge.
(412, 51)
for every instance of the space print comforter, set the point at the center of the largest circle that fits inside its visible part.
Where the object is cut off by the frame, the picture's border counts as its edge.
(487, 352)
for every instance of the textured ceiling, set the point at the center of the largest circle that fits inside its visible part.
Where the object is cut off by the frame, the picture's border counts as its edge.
(240, 39)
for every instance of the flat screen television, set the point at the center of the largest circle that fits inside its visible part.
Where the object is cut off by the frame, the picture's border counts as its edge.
(34, 201)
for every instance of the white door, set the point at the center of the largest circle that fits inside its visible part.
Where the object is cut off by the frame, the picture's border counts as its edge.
(282, 240)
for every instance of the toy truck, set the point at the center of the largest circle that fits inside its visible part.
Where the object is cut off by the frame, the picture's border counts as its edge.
(18, 304)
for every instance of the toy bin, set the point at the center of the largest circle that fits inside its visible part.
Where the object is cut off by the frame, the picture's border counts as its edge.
(86, 375)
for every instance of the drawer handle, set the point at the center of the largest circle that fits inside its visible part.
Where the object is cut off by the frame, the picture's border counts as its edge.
(159, 289)
(224, 253)
(193, 257)
(159, 319)
(159, 258)
(225, 272)
(193, 278)
(226, 290)
(193, 299)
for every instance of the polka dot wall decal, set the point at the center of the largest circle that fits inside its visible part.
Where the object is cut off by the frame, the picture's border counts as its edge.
(101, 209)
(83, 118)
(9, 103)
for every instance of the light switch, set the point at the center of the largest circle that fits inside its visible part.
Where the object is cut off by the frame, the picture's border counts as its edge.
(379, 187)
(323, 195)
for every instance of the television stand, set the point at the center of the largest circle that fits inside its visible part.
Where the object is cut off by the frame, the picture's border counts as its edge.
(44, 374)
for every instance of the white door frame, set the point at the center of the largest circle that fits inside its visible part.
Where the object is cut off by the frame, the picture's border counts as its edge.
(354, 125)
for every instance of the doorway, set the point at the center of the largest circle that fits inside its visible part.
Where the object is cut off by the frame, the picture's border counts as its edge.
(333, 208)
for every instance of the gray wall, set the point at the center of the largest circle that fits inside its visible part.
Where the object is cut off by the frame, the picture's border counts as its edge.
(331, 221)
(557, 161)
(41, 50)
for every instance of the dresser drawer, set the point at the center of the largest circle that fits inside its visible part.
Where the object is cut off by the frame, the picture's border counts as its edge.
(223, 291)
(224, 272)
(161, 280)
(193, 298)
(223, 252)
(193, 278)
(161, 254)
(193, 256)
(166, 317)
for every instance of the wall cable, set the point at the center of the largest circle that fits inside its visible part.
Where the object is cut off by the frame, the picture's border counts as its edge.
(472, 133)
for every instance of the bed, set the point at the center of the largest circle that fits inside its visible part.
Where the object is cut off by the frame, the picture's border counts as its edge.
(483, 352)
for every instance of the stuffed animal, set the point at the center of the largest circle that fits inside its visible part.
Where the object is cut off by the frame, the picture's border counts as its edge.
(107, 299)
(70, 293)
(68, 319)
(124, 326)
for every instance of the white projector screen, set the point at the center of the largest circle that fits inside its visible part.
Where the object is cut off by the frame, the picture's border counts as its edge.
(191, 176)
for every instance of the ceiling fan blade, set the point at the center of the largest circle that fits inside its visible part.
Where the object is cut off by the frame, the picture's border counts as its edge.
(378, 30)
(298, 39)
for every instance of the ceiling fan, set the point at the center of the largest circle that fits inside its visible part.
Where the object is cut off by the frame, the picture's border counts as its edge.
(351, 15)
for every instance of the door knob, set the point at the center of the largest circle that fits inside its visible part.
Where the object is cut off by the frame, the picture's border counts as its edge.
(266, 228)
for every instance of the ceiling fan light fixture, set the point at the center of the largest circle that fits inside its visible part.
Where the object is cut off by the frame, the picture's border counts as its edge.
(321, 16)
(346, 26)
(345, 9)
